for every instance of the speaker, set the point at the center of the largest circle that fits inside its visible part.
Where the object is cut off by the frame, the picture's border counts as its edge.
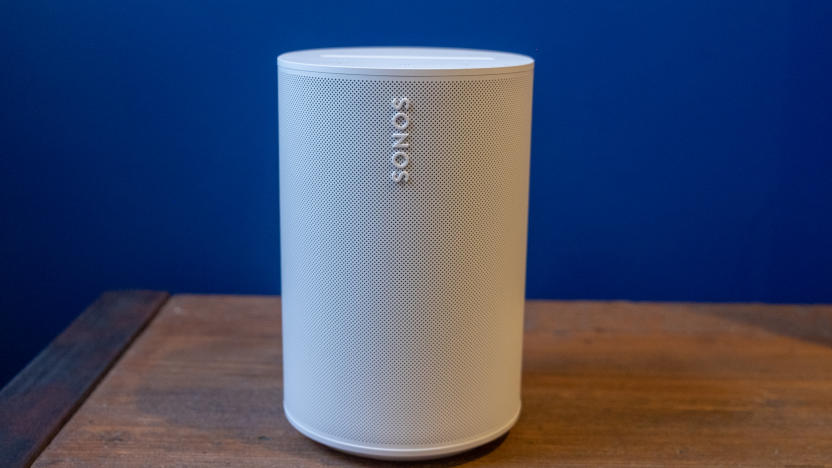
(404, 181)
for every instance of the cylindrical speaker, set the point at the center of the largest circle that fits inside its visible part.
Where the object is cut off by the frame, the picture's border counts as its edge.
(404, 181)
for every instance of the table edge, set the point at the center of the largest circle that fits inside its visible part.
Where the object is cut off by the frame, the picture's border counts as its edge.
(43, 396)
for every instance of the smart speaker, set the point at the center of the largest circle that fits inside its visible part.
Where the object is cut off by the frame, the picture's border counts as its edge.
(404, 181)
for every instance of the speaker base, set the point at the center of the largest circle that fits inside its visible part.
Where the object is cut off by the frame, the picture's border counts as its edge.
(401, 453)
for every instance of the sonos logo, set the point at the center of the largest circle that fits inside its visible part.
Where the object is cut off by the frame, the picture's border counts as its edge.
(401, 155)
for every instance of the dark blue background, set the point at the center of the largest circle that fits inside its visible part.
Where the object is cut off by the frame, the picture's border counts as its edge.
(680, 150)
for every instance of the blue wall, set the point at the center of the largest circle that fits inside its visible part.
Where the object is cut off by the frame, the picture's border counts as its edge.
(681, 149)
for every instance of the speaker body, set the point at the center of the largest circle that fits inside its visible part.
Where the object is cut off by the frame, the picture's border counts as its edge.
(403, 215)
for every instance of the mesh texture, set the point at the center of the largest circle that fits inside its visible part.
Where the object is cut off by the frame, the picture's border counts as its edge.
(403, 302)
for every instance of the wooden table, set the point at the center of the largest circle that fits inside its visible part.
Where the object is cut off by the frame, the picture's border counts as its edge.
(605, 383)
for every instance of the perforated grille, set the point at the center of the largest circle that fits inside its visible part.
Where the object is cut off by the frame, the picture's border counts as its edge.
(402, 302)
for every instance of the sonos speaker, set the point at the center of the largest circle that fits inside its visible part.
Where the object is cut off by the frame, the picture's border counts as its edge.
(404, 182)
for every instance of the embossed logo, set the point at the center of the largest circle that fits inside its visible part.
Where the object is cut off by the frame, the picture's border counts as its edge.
(401, 145)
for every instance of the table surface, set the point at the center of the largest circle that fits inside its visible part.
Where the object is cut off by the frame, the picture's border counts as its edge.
(604, 383)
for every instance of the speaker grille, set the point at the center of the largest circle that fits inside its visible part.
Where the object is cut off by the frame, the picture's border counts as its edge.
(403, 302)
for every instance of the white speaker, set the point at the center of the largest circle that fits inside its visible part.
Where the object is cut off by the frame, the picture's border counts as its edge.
(404, 181)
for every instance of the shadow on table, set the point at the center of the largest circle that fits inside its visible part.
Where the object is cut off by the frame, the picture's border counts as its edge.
(803, 322)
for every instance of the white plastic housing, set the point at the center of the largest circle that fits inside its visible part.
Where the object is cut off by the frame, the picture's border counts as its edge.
(403, 212)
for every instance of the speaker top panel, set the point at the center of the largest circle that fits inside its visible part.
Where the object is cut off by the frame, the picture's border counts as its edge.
(405, 61)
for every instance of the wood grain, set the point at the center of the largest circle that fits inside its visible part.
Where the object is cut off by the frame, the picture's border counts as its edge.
(605, 384)
(40, 399)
